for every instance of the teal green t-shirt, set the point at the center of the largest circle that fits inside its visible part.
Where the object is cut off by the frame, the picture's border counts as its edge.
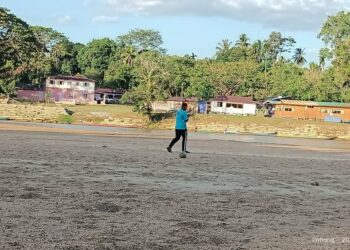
(181, 119)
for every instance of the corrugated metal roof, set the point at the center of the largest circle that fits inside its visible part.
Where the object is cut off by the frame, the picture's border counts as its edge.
(235, 99)
(334, 104)
(312, 103)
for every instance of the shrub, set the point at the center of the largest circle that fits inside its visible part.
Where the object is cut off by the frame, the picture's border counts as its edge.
(65, 119)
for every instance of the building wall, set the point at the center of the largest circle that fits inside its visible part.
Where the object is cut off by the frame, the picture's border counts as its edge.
(64, 84)
(72, 92)
(172, 105)
(247, 109)
(31, 95)
(71, 96)
(311, 112)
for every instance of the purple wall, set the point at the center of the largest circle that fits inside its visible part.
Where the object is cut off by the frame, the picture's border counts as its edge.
(70, 95)
(31, 95)
(58, 95)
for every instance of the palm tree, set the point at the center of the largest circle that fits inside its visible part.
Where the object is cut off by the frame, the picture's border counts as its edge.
(298, 56)
(223, 50)
(223, 46)
(128, 55)
(324, 54)
(243, 41)
(258, 50)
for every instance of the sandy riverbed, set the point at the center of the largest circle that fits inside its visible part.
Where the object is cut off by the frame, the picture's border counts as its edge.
(75, 191)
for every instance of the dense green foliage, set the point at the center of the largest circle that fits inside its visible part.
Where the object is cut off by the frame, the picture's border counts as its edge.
(137, 62)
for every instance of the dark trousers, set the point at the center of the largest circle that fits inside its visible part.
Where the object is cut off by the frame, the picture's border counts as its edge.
(178, 134)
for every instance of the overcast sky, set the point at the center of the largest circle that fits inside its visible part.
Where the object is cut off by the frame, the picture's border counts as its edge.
(186, 25)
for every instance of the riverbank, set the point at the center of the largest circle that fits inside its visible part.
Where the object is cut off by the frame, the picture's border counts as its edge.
(123, 116)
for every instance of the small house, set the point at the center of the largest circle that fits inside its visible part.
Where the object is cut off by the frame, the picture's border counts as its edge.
(233, 105)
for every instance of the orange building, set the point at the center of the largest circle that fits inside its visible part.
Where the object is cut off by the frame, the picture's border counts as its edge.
(309, 110)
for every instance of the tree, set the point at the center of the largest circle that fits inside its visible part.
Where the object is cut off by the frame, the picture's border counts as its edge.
(324, 55)
(18, 45)
(276, 44)
(128, 54)
(336, 29)
(298, 56)
(142, 40)
(259, 50)
(243, 41)
(153, 83)
(223, 50)
(94, 58)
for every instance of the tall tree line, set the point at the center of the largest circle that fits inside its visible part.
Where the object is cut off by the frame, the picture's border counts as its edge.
(137, 62)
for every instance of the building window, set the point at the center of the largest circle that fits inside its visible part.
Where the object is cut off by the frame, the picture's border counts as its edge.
(85, 96)
(52, 82)
(325, 111)
(61, 82)
(234, 105)
(220, 104)
(69, 83)
(289, 109)
(310, 107)
(338, 112)
(86, 84)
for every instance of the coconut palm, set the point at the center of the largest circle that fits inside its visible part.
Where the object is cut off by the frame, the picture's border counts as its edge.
(223, 50)
(324, 55)
(243, 41)
(128, 55)
(298, 56)
(223, 46)
(259, 50)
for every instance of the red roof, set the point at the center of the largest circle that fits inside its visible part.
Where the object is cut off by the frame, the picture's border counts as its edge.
(71, 78)
(235, 99)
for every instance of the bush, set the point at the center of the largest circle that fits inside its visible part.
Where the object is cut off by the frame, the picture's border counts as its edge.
(65, 119)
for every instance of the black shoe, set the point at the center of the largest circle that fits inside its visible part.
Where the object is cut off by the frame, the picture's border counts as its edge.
(169, 149)
(187, 152)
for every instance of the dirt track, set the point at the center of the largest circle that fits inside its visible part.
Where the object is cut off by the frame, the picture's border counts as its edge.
(73, 191)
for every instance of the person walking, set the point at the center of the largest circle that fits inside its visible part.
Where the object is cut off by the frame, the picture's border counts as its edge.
(180, 128)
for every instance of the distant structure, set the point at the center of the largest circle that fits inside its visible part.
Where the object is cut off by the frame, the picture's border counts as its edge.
(233, 105)
(70, 89)
(108, 95)
(76, 89)
(174, 103)
(310, 110)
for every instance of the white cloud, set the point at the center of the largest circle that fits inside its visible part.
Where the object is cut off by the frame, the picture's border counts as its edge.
(104, 19)
(64, 19)
(283, 14)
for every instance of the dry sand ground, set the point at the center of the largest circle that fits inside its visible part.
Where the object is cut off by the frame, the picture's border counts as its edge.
(75, 191)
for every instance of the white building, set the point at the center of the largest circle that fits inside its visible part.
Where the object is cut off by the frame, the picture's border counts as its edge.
(233, 105)
(70, 89)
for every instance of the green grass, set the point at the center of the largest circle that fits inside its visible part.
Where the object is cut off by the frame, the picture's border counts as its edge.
(65, 119)
(102, 114)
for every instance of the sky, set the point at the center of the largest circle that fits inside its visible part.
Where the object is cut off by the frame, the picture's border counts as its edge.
(186, 26)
